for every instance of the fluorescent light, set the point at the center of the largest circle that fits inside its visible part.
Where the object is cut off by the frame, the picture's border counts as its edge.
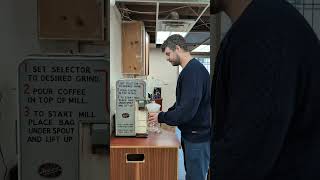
(202, 48)
(163, 35)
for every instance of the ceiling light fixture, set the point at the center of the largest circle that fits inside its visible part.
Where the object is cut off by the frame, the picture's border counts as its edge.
(202, 48)
(163, 35)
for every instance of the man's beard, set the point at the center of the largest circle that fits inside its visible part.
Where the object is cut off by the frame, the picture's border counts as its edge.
(176, 62)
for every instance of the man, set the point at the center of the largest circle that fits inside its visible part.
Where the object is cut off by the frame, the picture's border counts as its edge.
(266, 94)
(192, 111)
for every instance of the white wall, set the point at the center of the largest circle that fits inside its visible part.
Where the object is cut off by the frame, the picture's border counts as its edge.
(115, 54)
(161, 69)
(167, 75)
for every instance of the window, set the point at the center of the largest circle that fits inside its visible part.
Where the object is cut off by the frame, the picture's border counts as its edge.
(310, 9)
(204, 60)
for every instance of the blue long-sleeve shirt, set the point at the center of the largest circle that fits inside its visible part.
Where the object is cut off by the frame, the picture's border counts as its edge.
(266, 97)
(192, 110)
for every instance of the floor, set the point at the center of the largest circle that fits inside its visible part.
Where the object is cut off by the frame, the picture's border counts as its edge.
(181, 172)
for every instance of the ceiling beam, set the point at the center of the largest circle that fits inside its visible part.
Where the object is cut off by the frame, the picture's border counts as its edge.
(157, 16)
(152, 18)
(199, 16)
(182, 10)
(168, 1)
(140, 17)
(149, 24)
(200, 9)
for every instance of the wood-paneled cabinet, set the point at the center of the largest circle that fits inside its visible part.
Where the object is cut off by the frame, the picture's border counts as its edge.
(151, 158)
(135, 48)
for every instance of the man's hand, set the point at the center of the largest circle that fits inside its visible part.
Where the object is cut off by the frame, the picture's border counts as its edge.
(153, 117)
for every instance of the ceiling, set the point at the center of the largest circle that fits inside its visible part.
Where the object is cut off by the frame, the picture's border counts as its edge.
(192, 16)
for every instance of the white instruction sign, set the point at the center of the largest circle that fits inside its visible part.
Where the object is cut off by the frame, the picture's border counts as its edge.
(56, 94)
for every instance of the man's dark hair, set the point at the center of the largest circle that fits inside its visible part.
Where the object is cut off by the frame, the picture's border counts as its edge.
(174, 40)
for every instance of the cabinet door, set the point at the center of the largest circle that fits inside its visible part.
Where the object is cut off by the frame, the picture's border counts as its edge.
(159, 164)
(156, 164)
(120, 168)
(133, 48)
(71, 19)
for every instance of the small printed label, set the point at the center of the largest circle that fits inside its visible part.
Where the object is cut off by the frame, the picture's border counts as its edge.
(125, 115)
(50, 170)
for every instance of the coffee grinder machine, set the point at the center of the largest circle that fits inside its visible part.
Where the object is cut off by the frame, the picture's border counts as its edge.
(141, 118)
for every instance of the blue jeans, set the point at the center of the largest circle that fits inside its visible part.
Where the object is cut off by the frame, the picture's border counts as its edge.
(196, 158)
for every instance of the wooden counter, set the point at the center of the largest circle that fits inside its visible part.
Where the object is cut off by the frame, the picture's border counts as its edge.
(151, 158)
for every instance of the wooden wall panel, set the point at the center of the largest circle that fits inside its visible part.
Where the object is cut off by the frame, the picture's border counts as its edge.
(159, 164)
(71, 19)
(120, 170)
(132, 48)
